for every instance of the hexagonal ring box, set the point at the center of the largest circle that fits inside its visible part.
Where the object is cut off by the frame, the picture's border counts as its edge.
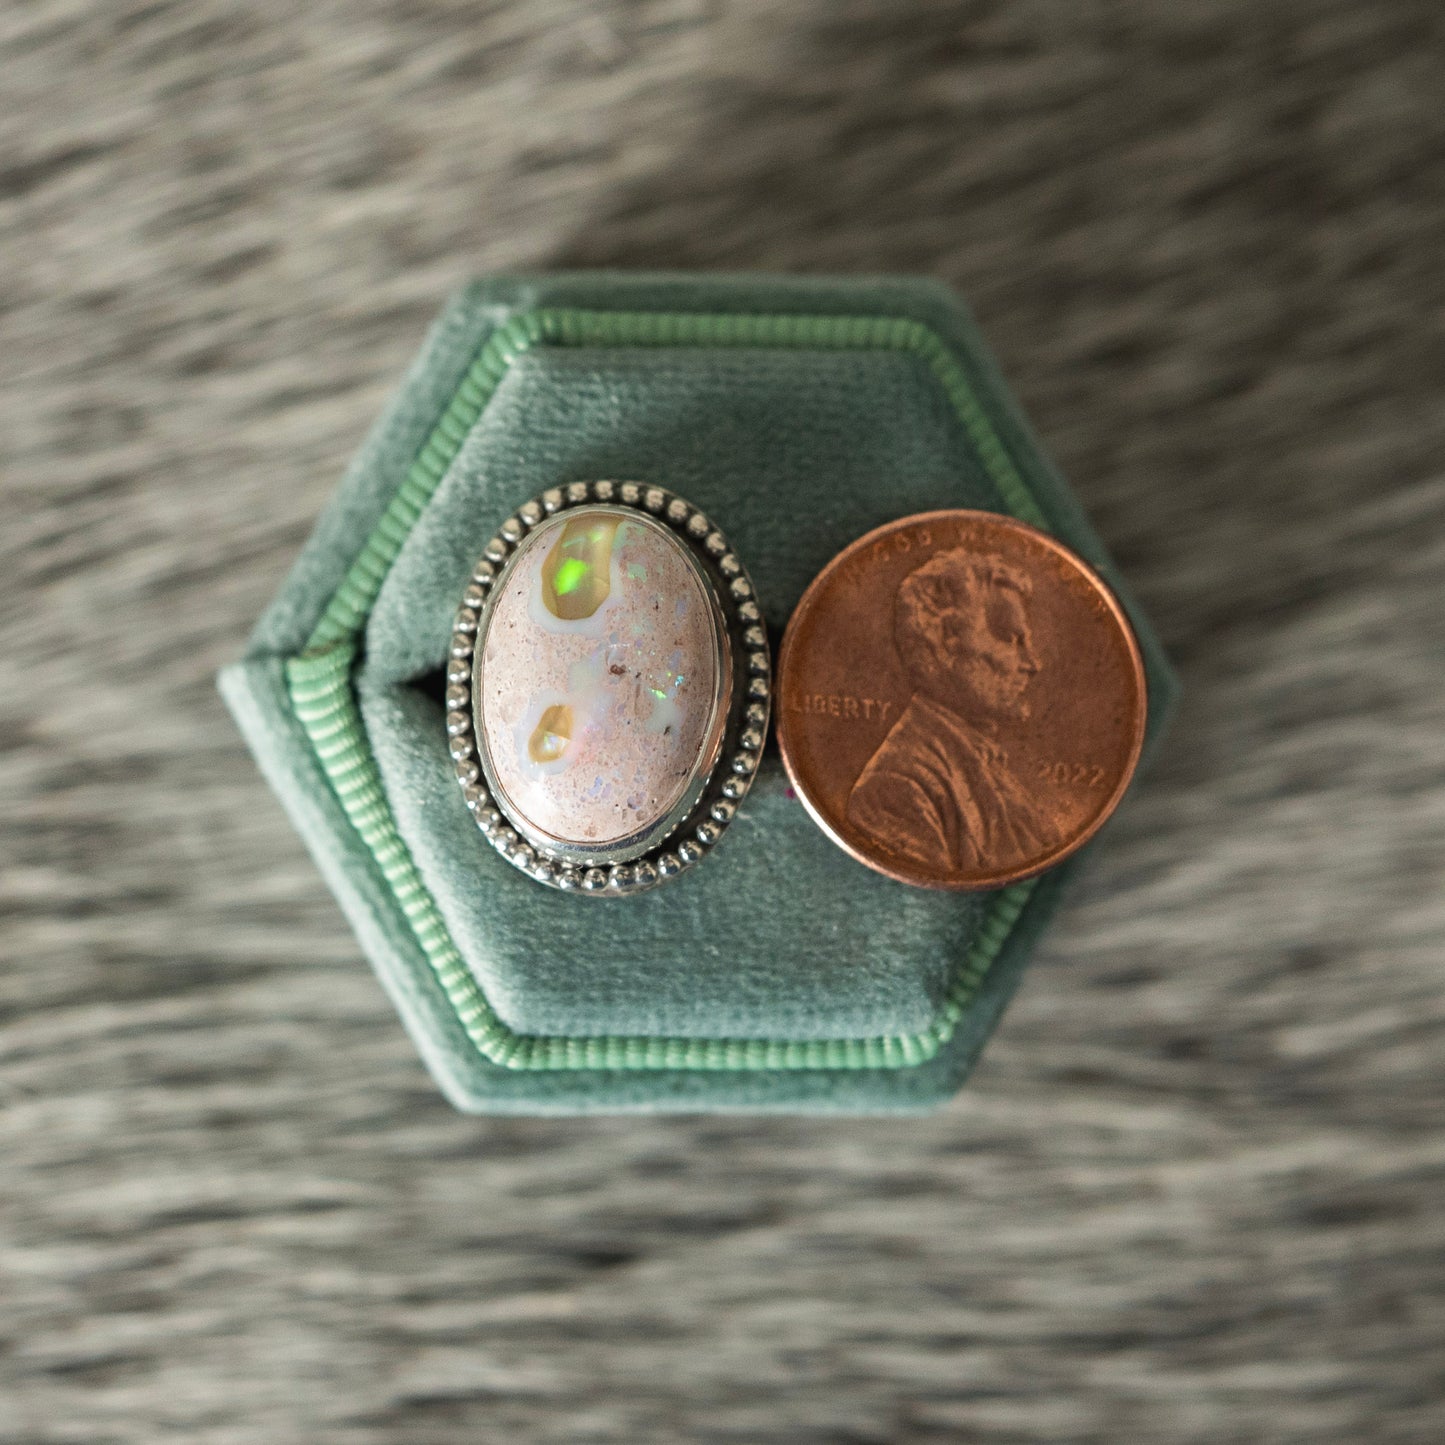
(780, 974)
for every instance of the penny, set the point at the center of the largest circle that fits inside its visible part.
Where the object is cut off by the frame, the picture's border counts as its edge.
(961, 700)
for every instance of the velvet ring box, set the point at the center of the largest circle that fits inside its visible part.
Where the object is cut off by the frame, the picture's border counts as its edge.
(778, 974)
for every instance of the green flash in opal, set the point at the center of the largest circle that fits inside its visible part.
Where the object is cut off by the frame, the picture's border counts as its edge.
(569, 576)
(577, 575)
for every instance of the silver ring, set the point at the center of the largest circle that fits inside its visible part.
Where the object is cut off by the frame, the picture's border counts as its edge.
(556, 649)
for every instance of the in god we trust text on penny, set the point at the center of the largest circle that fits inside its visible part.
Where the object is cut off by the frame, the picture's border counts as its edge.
(961, 700)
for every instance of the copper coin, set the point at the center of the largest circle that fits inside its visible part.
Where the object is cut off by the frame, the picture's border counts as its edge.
(961, 700)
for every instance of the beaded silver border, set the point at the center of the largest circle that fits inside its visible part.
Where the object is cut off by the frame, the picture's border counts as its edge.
(730, 777)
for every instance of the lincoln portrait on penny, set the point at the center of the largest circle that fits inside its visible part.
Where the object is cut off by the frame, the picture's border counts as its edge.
(940, 790)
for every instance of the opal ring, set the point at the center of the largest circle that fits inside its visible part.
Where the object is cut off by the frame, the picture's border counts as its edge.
(608, 687)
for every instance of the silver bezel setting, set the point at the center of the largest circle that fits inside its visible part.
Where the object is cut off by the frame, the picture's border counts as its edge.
(692, 828)
(629, 848)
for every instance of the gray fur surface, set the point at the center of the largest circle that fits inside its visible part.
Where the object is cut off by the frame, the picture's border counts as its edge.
(1196, 1191)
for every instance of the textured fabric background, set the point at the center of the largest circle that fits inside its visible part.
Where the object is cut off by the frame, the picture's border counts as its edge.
(1196, 1191)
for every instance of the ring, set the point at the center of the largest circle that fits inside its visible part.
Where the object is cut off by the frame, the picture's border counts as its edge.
(608, 687)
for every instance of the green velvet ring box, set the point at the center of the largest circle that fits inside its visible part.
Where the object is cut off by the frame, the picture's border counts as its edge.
(779, 973)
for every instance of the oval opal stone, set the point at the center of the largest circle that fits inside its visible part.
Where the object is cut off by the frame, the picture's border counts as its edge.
(598, 684)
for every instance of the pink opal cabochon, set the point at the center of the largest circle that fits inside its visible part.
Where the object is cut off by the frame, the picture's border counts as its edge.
(602, 683)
